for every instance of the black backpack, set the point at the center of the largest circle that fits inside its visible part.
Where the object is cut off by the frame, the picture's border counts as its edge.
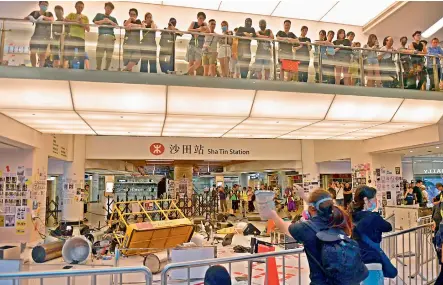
(340, 261)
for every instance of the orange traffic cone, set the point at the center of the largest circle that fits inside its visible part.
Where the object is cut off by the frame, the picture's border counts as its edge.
(271, 269)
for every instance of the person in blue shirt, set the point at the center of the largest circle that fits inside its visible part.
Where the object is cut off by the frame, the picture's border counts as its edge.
(371, 224)
(323, 214)
(437, 51)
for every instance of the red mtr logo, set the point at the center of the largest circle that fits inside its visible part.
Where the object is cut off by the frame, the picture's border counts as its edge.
(157, 149)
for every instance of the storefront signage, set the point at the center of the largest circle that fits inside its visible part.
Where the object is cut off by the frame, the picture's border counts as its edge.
(108, 147)
(433, 171)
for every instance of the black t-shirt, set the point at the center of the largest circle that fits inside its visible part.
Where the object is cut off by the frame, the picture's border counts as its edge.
(418, 194)
(264, 47)
(197, 40)
(133, 36)
(241, 33)
(304, 50)
(285, 47)
(343, 52)
(167, 41)
(42, 29)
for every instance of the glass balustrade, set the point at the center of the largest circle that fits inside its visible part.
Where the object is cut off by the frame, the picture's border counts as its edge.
(60, 45)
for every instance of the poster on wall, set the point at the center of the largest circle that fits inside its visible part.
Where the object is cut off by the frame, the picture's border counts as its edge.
(10, 221)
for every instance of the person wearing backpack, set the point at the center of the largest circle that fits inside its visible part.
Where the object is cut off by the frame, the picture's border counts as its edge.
(333, 257)
(368, 229)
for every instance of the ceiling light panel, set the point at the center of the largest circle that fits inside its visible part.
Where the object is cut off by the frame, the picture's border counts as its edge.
(251, 135)
(306, 136)
(260, 7)
(360, 108)
(199, 4)
(209, 126)
(433, 29)
(304, 9)
(35, 94)
(124, 123)
(67, 122)
(209, 101)
(386, 129)
(419, 112)
(117, 97)
(270, 104)
(197, 133)
(337, 127)
(346, 12)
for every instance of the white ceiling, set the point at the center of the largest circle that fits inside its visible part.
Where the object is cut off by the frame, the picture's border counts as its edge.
(342, 12)
(148, 110)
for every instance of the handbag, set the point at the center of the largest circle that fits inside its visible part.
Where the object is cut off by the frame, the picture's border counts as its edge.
(389, 271)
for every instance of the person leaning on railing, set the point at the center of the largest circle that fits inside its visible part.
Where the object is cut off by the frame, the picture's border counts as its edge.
(131, 44)
(388, 71)
(437, 52)
(148, 45)
(106, 36)
(167, 46)
(75, 41)
(42, 33)
(418, 60)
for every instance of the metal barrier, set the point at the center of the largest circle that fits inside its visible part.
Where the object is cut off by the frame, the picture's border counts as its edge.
(424, 220)
(413, 254)
(249, 259)
(71, 274)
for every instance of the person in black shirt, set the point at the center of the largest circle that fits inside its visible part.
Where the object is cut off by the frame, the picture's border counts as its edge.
(303, 55)
(342, 58)
(263, 56)
(42, 33)
(418, 59)
(285, 49)
(167, 47)
(244, 47)
(194, 53)
(417, 191)
(131, 44)
(148, 46)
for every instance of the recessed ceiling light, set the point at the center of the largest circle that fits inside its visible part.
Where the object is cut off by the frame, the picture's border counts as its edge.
(437, 147)
(411, 151)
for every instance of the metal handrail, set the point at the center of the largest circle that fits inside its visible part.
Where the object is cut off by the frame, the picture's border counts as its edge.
(315, 43)
(214, 261)
(79, 272)
(392, 234)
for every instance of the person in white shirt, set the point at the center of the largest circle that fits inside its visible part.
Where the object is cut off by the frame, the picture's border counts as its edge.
(340, 197)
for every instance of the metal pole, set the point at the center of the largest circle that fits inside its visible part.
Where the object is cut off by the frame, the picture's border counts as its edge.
(2, 41)
(62, 48)
(274, 56)
(435, 74)
(174, 38)
(401, 74)
(119, 50)
(362, 69)
(320, 63)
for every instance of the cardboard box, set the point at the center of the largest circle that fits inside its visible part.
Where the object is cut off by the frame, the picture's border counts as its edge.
(9, 252)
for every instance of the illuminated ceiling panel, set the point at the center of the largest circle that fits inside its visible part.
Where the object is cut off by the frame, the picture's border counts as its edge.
(35, 94)
(193, 125)
(303, 9)
(419, 112)
(200, 4)
(351, 13)
(124, 123)
(260, 7)
(66, 122)
(359, 108)
(270, 104)
(209, 101)
(385, 129)
(118, 97)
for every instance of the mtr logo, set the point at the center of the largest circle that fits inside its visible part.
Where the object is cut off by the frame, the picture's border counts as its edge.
(157, 149)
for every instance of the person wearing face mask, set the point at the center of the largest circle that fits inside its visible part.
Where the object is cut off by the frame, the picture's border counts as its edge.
(167, 46)
(42, 33)
(225, 49)
(369, 224)
(131, 44)
(244, 47)
(263, 54)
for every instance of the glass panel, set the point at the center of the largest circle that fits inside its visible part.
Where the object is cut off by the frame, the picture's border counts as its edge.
(17, 43)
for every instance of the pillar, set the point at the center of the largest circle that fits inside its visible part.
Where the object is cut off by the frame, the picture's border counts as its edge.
(94, 187)
(310, 171)
(183, 179)
(244, 180)
(39, 177)
(74, 173)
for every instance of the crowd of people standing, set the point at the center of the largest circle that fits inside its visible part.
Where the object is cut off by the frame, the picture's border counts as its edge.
(207, 48)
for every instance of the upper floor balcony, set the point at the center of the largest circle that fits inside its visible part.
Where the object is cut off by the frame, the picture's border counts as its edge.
(130, 80)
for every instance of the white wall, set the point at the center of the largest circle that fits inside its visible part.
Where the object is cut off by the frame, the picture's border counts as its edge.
(334, 167)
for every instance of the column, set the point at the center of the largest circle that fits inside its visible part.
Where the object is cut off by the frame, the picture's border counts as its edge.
(311, 175)
(94, 187)
(38, 190)
(244, 180)
(183, 179)
(74, 172)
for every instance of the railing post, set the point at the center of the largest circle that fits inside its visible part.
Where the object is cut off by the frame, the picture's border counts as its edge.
(274, 55)
(435, 69)
(401, 73)
(320, 63)
(362, 69)
(119, 50)
(174, 38)
(2, 41)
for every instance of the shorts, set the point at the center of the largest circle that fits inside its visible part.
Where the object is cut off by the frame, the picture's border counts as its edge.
(38, 45)
(130, 54)
(233, 66)
(224, 51)
(209, 58)
(372, 60)
(193, 54)
(260, 62)
(73, 43)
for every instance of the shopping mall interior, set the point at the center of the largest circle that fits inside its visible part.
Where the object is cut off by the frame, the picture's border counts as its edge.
(141, 172)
